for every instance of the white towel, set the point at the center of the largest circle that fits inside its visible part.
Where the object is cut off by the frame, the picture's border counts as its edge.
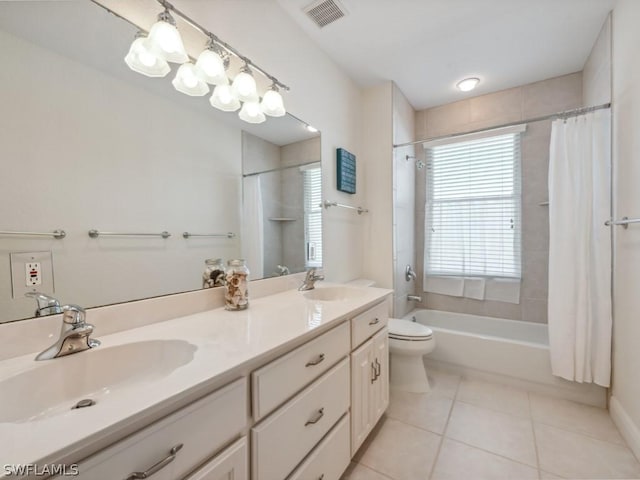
(474, 288)
(453, 286)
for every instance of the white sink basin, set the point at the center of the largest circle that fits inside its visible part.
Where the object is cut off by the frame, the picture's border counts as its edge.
(56, 385)
(330, 294)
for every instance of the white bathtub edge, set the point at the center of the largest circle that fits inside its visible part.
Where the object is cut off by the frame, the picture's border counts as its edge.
(587, 394)
(629, 430)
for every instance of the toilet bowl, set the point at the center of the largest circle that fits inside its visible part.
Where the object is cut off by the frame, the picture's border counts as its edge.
(408, 343)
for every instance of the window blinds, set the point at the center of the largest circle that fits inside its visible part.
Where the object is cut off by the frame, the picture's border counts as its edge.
(473, 214)
(313, 216)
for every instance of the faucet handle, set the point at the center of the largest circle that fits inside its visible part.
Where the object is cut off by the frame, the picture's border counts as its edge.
(47, 305)
(73, 315)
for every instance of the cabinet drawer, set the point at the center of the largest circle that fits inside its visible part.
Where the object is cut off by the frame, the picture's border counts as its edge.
(202, 428)
(330, 458)
(231, 464)
(283, 439)
(367, 323)
(276, 382)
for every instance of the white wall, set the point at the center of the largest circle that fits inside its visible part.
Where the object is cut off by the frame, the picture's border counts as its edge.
(404, 199)
(321, 94)
(129, 161)
(375, 163)
(625, 402)
(596, 74)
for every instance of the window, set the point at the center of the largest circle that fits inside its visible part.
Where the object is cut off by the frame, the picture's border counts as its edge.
(472, 214)
(313, 215)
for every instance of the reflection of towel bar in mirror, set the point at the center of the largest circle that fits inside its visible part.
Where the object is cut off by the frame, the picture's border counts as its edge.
(623, 222)
(214, 235)
(96, 233)
(544, 204)
(55, 234)
(327, 204)
(282, 219)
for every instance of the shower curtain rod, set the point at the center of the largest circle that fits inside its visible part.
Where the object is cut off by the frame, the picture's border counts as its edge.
(279, 169)
(565, 114)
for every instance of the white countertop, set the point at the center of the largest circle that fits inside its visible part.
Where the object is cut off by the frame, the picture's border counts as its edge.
(228, 345)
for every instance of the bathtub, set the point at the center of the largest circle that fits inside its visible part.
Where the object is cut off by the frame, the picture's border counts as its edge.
(505, 351)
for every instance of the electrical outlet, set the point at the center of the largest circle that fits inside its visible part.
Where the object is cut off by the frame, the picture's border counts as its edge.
(31, 272)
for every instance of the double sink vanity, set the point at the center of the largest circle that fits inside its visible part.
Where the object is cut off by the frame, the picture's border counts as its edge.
(288, 389)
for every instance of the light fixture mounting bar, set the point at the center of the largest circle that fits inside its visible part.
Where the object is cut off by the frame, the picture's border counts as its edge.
(223, 44)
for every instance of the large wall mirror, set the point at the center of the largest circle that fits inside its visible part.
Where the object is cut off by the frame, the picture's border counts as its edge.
(87, 144)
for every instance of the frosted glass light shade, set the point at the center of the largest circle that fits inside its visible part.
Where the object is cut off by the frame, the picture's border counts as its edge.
(142, 60)
(212, 67)
(272, 104)
(244, 86)
(252, 113)
(224, 99)
(165, 40)
(189, 82)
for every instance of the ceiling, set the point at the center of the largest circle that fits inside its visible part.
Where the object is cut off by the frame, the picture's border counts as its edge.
(427, 46)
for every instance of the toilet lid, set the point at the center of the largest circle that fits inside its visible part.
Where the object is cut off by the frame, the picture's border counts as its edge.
(407, 330)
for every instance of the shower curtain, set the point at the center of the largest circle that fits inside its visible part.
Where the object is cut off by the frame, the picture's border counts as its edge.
(580, 248)
(252, 231)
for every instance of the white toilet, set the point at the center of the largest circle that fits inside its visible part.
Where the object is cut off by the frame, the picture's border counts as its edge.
(408, 343)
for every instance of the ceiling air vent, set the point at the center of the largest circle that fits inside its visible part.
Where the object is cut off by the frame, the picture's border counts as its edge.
(324, 12)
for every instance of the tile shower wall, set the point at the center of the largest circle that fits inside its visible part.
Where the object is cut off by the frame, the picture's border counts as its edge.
(520, 103)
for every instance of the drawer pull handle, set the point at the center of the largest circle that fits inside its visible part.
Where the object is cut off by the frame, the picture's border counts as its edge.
(375, 321)
(320, 359)
(374, 372)
(319, 415)
(378, 369)
(158, 466)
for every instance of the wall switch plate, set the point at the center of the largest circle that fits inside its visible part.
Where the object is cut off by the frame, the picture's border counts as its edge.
(31, 272)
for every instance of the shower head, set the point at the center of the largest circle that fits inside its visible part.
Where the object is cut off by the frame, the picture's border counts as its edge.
(419, 163)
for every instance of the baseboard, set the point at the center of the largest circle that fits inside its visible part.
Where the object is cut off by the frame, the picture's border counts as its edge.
(625, 424)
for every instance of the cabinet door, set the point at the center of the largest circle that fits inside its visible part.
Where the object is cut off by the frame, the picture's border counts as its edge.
(380, 387)
(231, 464)
(362, 375)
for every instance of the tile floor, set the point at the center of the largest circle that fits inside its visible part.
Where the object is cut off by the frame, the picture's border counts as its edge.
(474, 430)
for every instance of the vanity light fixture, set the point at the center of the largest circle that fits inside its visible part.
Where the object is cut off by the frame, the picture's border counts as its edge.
(189, 81)
(272, 103)
(224, 99)
(165, 39)
(142, 60)
(468, 84)
(149, 55)
(251, 112)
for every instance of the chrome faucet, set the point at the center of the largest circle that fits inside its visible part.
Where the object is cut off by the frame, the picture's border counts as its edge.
(310, 280)
(46, 305)
(409, 274)
(414, 298)
(74, 335)
(282, 270)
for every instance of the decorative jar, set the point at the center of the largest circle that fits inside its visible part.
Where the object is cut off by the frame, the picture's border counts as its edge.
(236, 285)
(213, 275)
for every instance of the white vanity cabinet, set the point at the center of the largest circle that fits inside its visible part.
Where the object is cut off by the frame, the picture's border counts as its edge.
(231, 464)
(370, 372)
(170, 448)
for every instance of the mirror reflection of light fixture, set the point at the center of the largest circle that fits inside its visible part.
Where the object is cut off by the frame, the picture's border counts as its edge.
(142, 60)
(165, 39)
(468, 84)
(272, 103)
(252, 113)
(224, 99)
(244, 85)
(312, 129)
(213, 64)
(189, 81)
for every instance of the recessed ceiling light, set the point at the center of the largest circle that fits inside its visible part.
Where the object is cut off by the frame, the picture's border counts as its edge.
(468, 84)
(312, 129)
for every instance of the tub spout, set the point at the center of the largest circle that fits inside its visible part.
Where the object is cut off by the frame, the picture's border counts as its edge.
(414, 298)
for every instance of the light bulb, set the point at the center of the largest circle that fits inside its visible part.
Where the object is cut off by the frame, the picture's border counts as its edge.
(165, 39)
(252, 113)
(212, 67)
(244, 86)
(142, 60)
(224, 99)
(189, 82)
(272, 103)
